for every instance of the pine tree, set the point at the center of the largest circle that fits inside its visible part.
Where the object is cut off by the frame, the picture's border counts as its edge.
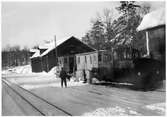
(95, 37)
(126, 24)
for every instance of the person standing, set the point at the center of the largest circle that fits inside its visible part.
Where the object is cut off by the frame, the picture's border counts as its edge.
(84, 75)
(63, 76)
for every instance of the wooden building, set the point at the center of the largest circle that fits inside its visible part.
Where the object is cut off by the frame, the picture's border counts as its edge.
(36, 63)
(65, 53)
(153, 24)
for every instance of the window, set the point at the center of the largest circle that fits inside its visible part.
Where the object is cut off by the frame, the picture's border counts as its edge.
(78, 60)
(94, 57)
(105, 58)
(85, 60)
(90, 59)
(99, 57)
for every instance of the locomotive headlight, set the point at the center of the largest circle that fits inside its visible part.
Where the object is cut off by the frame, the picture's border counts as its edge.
(139, 73)
(157, 72)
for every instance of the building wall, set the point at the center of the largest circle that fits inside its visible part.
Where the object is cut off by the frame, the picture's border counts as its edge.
(157, 42)
(64, 61)
(87, 61)
(157, 46)
(51, 60)
(36, 65)
(44, 63)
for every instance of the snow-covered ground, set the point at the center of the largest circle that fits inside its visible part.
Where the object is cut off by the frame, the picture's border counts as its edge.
(20, 70)
(159, 107)
(26, 69)
(42, 79)
(120, 111)
(113, 111)
(56, 84)
(40, 82)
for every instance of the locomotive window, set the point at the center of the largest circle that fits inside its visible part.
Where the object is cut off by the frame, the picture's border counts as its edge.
(105, 58)
(99, 57)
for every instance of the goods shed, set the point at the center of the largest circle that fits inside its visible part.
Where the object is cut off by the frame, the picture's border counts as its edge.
(65, 53)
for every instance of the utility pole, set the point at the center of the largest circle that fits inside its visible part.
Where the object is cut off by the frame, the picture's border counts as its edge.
(56, 50)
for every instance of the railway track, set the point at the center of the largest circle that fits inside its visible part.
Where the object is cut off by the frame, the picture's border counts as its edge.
(40, 105)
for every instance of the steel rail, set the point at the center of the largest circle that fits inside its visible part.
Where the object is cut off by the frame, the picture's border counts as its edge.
(23, 98)
(69, 114)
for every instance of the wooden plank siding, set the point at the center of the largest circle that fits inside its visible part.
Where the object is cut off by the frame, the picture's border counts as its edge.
(36, 64)
(157, 42)
(90, 60)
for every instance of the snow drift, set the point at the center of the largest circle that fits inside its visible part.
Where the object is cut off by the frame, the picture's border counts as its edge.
(112, 111)
(19, 70)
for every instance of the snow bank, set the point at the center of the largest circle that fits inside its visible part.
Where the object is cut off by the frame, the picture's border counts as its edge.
(112, 111)
(20, 70)
(53, 70)
(6, 72)
(159, 107)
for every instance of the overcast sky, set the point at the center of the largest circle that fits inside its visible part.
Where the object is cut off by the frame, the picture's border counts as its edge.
(30, 23)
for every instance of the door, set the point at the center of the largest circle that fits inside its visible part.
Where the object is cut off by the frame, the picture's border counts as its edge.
(71, 64)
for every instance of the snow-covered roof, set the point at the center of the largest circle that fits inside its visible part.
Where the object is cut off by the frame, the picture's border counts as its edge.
(58, 42)
(47, 51)
(33, 50)
(36, 54)
(152, 19)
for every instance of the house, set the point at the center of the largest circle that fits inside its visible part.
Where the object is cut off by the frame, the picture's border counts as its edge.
(153, 24)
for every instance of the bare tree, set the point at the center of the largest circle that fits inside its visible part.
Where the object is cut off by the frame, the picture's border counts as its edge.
(14, 56)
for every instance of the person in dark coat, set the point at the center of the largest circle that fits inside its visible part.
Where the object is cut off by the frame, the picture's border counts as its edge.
(84, 75)
(63, 76)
